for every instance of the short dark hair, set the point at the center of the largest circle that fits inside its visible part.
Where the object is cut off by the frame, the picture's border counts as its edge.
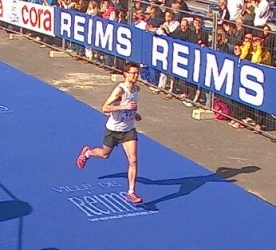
(129, 65)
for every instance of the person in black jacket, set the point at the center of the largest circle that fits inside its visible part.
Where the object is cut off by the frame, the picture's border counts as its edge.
(182, 32)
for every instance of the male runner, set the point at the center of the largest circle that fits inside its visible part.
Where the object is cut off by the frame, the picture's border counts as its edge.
(121, 106)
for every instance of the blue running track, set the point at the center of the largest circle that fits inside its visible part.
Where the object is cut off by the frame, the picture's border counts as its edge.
(46, 202)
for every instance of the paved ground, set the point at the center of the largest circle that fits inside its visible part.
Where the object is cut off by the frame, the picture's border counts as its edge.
(212, 144)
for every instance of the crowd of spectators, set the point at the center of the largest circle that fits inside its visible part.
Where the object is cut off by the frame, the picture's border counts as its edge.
(243, 31)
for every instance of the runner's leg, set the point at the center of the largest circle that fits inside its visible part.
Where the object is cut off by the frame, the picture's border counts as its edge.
(130, 148)
(103, 152)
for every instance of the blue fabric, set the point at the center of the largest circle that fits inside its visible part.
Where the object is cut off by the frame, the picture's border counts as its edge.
(46, 202)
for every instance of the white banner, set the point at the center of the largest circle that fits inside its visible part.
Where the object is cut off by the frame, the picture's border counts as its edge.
(34, 17)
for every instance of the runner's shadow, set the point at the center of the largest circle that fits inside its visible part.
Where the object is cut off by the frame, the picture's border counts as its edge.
(187, 184)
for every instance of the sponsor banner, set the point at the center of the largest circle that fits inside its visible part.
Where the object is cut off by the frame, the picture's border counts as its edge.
(103, 35)
(242, 81)
(27, 15)
(239, 80)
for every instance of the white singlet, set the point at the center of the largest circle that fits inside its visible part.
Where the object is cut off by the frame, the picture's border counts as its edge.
(123, 120)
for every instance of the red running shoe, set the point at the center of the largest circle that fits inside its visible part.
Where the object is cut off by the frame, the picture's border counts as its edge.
(81, 161)
(134, 198)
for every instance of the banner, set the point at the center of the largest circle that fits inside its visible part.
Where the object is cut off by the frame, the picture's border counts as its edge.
(31, 16)
(100, 34)
(227, 75)
(240, 80)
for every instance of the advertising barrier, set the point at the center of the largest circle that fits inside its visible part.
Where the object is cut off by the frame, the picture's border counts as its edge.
(239, 80)
(34, 17)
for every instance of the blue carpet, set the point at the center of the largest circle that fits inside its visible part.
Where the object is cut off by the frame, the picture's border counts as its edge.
(47, 203)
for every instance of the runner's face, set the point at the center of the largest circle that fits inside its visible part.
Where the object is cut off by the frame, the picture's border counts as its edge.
(132, 74)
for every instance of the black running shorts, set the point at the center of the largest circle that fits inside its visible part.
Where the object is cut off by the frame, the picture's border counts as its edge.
(113, 138)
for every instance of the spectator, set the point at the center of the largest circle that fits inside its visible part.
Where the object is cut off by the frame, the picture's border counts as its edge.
(222, 41)
(198, 35)
(93, 9)
(246, 47)
(259, 53)
(154, 21)
(269, 41)
(175, 6)
(182, 32)
(248, 13)
(183, 7)
(223, 12)
(169, 25)
(67, 4)
(237, 51)
(118, 4)
(182, 4)
(121, 16)
(229, 30)
(137, 5)
(235, 8)
(108, 10)
(140, 20)
(158, 12)
(262, 14)
(234, 35)
(81, 6)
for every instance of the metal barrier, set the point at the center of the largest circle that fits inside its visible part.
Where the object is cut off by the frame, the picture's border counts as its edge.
(213, 35)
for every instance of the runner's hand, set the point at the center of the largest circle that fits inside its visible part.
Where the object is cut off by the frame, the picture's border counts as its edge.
(138, 117)
(131, 105)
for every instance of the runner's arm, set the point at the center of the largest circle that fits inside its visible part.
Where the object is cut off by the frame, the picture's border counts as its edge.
(116, 96)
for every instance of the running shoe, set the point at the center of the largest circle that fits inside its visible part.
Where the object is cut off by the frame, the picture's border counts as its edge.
(134, 198)
(81, 161)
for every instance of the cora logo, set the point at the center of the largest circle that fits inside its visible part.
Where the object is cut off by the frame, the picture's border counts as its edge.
(37, 16)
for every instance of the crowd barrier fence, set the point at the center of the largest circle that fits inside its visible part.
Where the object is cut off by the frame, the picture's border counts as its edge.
(205, 72)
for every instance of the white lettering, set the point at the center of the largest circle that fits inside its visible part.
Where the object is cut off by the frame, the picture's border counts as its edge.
(197, 65)
(90, 31)
(178, 59)
(60, 189)
(226, 73)
(161, 56)
(104, 38)
(254, 85)
(65, 24)
(79, 28)
(90, 201)
(103, 204)
(83, 206)
(123, 46)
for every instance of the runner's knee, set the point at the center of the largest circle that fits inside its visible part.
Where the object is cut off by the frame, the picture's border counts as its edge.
(133, 162)
(105, 156)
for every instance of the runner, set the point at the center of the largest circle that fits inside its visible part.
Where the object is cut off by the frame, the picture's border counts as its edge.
(121, 106)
